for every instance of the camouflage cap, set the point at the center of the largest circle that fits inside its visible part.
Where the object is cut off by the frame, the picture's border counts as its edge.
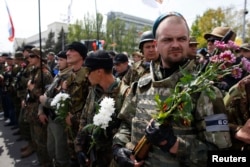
(245, 46)
(193, 40)
(37, 52)
(19, 55)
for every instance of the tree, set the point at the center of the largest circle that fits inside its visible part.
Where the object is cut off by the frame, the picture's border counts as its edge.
(75, 32)
(218, 17)
(50, 43)
(61, 41)
(204, 24)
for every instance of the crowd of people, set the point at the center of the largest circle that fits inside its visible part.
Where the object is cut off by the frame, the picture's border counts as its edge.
(104, 82)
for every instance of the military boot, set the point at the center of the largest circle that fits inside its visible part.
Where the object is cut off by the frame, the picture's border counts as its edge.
(24, 147)
(27, 152)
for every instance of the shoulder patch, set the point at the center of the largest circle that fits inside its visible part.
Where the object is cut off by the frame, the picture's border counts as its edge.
(145, 80)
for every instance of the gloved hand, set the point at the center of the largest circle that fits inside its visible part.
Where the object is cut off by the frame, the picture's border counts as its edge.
(82, 158)
(222, 85)
(122, 156)
(157, 133)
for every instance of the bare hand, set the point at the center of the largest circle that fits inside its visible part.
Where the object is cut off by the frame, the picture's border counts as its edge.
(23, 104)
(43, 119)
(64, 85)
(43, 99)
(67, 119)
(30, 86)
(136, 163)
(244, 133)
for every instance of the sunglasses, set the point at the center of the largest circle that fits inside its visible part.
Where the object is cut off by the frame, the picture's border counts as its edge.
(193, 45)
(32, 55)
(213, 40)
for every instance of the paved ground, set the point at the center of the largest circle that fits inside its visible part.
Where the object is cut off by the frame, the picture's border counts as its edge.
(10, 149)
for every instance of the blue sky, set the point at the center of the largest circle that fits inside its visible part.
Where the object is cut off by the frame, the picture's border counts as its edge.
(25, 12)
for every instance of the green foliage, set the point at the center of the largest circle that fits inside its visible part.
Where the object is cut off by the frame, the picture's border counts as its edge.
(61, 41)
(212, 18)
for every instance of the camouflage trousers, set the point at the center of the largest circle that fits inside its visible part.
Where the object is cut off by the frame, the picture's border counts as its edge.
(39, 136)
(24, 126)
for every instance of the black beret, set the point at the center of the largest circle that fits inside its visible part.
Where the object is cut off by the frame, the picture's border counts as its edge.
(5, 55)
(99, 59)
(79, 47)
(28, 47)
(120, 58)
(62, 54)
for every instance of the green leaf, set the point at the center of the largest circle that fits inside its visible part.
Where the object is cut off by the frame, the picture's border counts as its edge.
(210, 92)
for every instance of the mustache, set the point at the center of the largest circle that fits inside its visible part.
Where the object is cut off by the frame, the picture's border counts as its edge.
(175, 49)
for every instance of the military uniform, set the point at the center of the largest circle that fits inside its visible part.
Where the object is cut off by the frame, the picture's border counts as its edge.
(194, 141)
(103, 153)
(77, 88)
(57, 138)
(135, 72)
(38, 130)
(237, 102)
(7, 94)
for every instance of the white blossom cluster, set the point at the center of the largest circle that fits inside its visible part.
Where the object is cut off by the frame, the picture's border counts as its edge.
(105, 112)
(59, 99)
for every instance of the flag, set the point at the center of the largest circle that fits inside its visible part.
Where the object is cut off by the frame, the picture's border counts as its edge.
(11, 25)
(153, 3)
(69, 12)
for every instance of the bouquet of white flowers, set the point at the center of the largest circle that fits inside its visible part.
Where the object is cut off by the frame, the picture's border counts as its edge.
(101, 121)
(62, 101)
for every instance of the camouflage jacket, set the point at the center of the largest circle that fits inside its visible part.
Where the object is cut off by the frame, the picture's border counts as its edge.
(194, 141)
(237, 102)
(117, 91)
(136, 71)
(77, 88)
(33, 95)
(53, 89)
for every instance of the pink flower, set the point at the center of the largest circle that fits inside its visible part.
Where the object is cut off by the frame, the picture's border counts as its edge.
(236, 72)
(245, 64)
(227, 57)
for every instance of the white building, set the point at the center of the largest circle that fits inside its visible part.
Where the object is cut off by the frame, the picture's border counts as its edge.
(57, 26)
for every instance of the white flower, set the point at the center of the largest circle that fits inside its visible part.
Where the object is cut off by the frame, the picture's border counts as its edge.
(105, 112)
(59, 98)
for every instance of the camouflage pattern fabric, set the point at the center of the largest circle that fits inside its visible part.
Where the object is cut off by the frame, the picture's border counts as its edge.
(237, 103)
(103, 152)
(194, 141)
(78, 87)
(38, 130)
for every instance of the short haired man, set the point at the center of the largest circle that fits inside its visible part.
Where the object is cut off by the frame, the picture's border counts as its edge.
(121, 65)
(56, 138)
(192, 51)
(77, 86)
(173, 147)
(104, 84)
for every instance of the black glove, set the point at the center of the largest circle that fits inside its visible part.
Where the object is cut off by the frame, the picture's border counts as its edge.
(222, 85)
(122, 156)
(157, 133)
(82, 158)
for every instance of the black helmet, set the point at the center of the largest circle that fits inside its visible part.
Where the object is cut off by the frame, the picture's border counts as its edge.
(146, 36)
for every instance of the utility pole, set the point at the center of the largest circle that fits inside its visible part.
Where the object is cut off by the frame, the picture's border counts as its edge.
(97, 27)
(245, 12)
